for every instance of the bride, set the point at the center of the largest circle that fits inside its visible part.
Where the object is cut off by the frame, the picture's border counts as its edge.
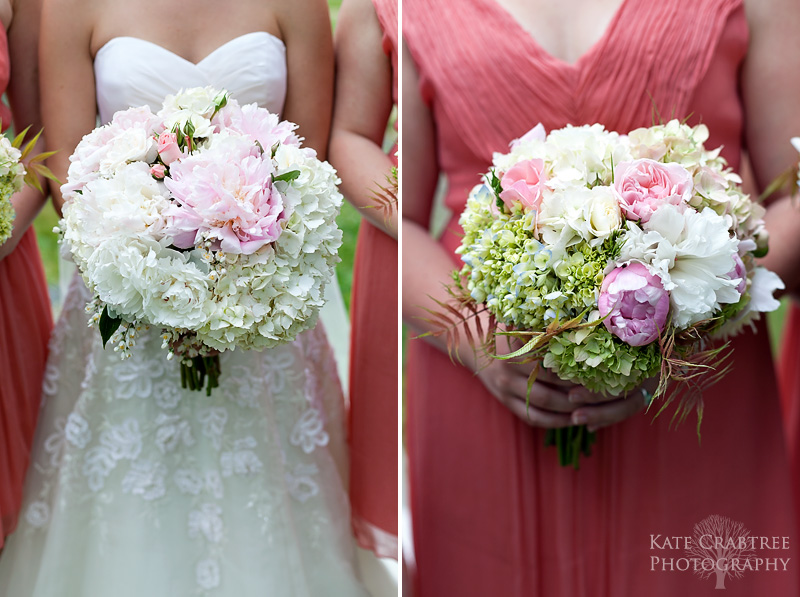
(138, 487)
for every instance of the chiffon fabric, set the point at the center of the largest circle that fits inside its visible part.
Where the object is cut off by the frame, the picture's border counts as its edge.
(25, 323)
(373, 365)
(789, 378)
(493, 512)
(139, 487)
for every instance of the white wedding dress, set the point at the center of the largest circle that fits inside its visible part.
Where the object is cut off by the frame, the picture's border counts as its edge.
(138, 488)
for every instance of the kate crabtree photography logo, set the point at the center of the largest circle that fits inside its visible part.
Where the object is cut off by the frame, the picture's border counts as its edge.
(719, 549)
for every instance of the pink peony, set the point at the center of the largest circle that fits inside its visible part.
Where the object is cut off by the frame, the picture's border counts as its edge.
(645, 185)
(739, 272)
(225, 195)
(522, 184)
(635, 302)
(258, 124)
(136, 117)
(168, 147)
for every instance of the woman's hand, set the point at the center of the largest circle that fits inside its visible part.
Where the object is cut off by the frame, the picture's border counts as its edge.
(548, 405)
(597, 411)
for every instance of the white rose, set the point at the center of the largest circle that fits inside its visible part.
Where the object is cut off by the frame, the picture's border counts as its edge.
(602, 212)
(200, 100)
(202, 125)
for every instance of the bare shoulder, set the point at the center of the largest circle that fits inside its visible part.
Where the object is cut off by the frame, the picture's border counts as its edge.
(357, 13)
(301, 17)
(777, 15)
(76, 16)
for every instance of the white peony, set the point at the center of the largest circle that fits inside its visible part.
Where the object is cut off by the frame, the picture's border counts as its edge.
(692, 252)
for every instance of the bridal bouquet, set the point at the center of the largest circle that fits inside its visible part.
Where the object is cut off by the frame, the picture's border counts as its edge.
(612, 259)
(208, 220)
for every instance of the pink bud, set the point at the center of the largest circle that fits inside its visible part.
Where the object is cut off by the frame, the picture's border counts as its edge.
(158, 171)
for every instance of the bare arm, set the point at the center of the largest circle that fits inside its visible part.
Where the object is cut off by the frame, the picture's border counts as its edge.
(362, 108)
(23, 95)
(306, 29)
(427, 268)
(69, 107)
(771, 88)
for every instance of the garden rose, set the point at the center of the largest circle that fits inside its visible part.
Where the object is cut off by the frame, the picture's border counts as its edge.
(645, 185)
(602, 212)
(634, 303)
(522, 184)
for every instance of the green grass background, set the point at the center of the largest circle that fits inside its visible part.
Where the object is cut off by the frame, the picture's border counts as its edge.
(348, 220)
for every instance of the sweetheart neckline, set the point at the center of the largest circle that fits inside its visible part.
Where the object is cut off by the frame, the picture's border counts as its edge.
(199, 62)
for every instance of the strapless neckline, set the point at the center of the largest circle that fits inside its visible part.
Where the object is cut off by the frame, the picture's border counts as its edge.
(131, 71)
(232, 42)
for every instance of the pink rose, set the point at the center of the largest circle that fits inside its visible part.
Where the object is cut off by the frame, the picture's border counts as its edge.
(168, 147)
(158, 171)
(635, 303)
(523, 184)
(645, 185)
(739, 272)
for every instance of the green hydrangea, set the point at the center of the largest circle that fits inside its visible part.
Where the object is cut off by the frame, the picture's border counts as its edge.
(599, 361)
(518, 278)
(527, 287)
(7, 216)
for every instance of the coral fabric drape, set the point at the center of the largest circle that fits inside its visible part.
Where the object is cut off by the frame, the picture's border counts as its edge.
(373, 365)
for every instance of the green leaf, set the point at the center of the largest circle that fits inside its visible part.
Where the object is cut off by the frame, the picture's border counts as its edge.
(108, 325)
(31, 144)
(286, 176)
(17, 142)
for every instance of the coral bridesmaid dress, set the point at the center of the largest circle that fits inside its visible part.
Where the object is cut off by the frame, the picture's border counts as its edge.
(373, 366)
(25, 324)
(789, 378)
(493, 513)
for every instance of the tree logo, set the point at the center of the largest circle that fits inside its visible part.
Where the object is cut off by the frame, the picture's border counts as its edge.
(721, 547)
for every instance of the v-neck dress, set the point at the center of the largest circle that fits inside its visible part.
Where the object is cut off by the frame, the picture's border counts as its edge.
(493, 512)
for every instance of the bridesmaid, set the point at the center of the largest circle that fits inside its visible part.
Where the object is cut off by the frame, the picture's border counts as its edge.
(25, 315)
(493, 513)
(366, 90)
